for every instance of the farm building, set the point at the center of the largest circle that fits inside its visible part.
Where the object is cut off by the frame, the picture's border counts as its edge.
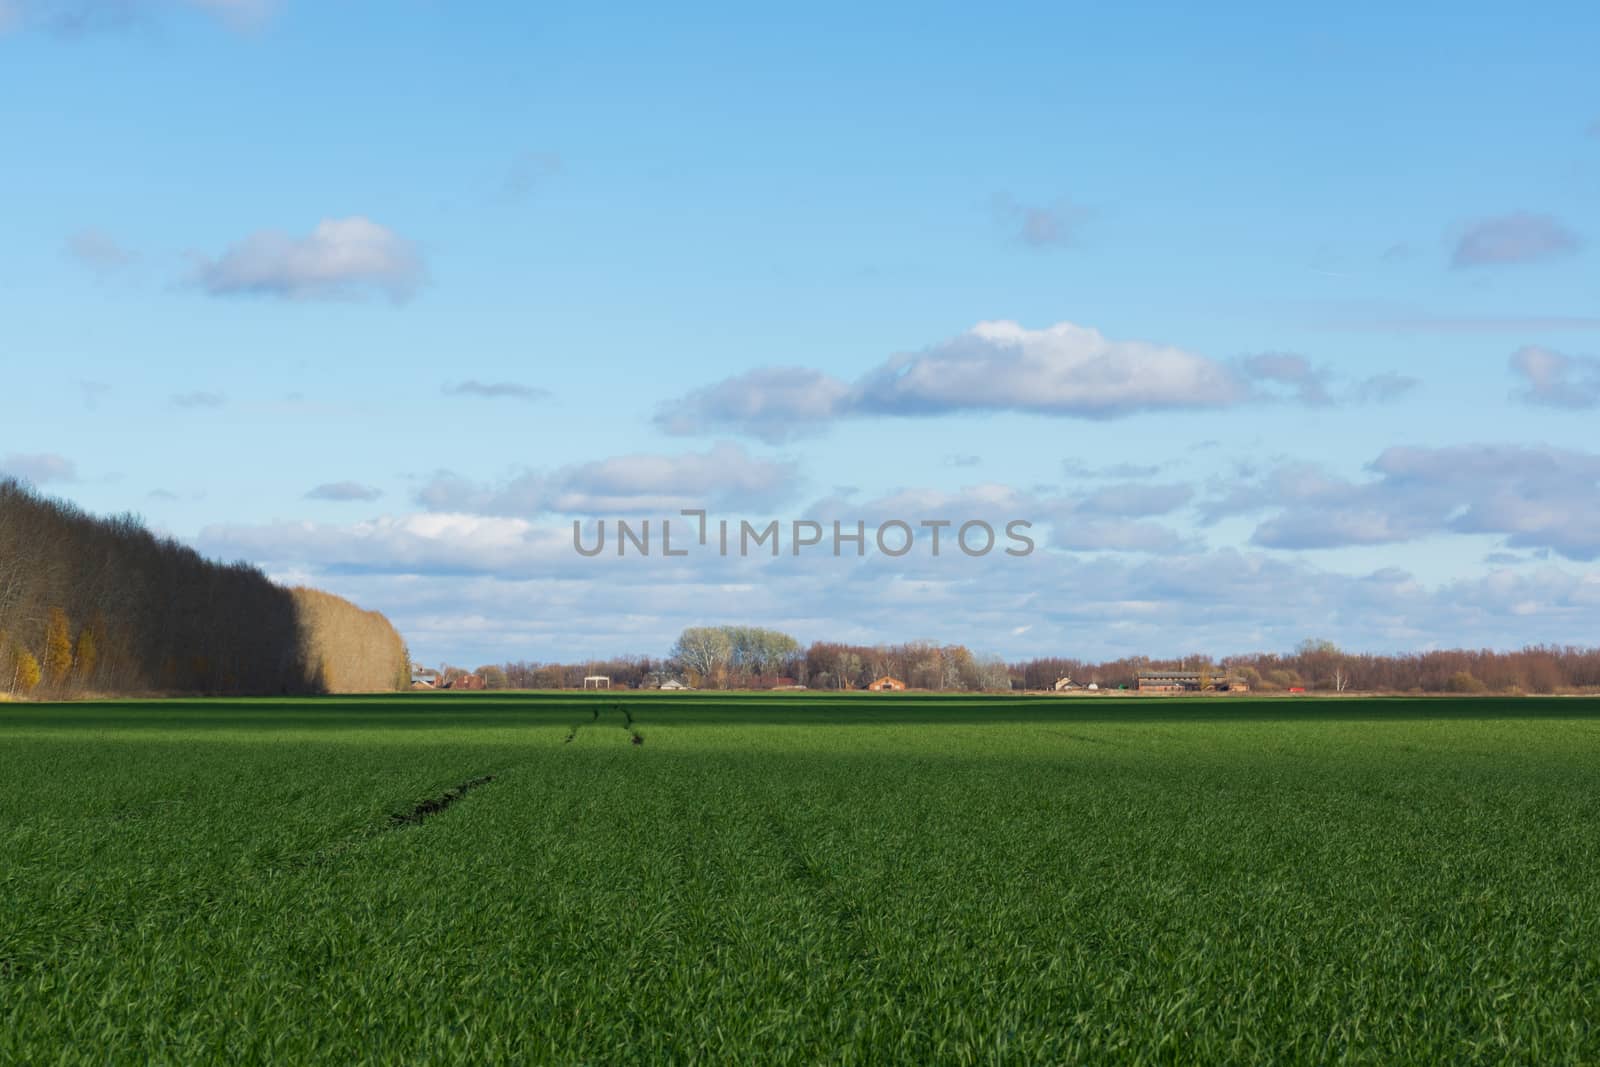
(1188, 682)
(424, 678)
(673, 683)
(886, 684)
(1063, 684)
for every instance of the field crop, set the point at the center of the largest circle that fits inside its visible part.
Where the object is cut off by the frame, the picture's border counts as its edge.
(791, 879)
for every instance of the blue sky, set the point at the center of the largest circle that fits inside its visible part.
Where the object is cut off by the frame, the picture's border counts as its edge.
(1273, 327)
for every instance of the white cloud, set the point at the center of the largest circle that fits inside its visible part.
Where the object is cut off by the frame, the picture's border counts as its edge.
(1039, 225)
(344, 492)
(39, 467)
(1554, 379)
(477, 589)
(1521, 237)
(340, 259)
(774, 404)
(496, 390)
(724, 477)
(1533, 497)
(100, 252)
(425, 544)
(1061, 370)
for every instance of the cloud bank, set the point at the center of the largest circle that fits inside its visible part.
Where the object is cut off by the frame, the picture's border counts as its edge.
(1061, 370)
(1532, 497)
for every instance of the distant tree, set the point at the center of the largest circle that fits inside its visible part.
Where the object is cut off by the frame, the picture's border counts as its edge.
(493, 677)
(86, 655)
(1465, 682)
(57, 648)
(707, 651)
(25, 675)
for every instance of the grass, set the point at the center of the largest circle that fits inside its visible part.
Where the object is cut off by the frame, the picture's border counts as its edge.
(445, 878)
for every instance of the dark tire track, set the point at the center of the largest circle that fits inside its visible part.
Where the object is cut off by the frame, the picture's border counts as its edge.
(434, 805)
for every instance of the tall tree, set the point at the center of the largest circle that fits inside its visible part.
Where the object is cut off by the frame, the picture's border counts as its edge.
(57, 648)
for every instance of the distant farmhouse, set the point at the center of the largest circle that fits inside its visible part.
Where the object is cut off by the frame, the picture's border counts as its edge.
(428, 678)
(886, 684)
(1194, 681)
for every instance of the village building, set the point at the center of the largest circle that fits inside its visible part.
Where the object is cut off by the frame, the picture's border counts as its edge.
(886, 684)
(1189, 681)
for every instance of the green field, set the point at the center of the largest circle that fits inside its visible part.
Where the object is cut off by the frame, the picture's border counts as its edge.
(799, 879)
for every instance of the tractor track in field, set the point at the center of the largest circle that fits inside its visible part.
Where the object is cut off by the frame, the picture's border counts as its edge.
(634, 736)
(420, 811)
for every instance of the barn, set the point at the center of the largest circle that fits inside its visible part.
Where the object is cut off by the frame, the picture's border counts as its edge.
(886, 684)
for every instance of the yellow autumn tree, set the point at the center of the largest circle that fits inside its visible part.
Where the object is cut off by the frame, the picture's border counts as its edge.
(57, 647)
(25, 676)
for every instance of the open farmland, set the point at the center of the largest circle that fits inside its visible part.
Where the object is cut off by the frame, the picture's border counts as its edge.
(799, 878)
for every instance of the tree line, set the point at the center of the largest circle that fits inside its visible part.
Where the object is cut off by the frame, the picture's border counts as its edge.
(741, 657)
(102, 605)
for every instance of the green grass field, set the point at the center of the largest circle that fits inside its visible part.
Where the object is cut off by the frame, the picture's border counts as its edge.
(799, 879)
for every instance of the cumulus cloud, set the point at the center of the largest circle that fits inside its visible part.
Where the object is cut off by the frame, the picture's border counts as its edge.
(340, 259)
(1521, 237)
(1554, 379)
(1533, 497)
(38, 467)
(199, 399)
(723, 477)
(100, 252)
(1065, 370)
(496, 390)
(344, 491)
(774, 404)
(430, 544)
